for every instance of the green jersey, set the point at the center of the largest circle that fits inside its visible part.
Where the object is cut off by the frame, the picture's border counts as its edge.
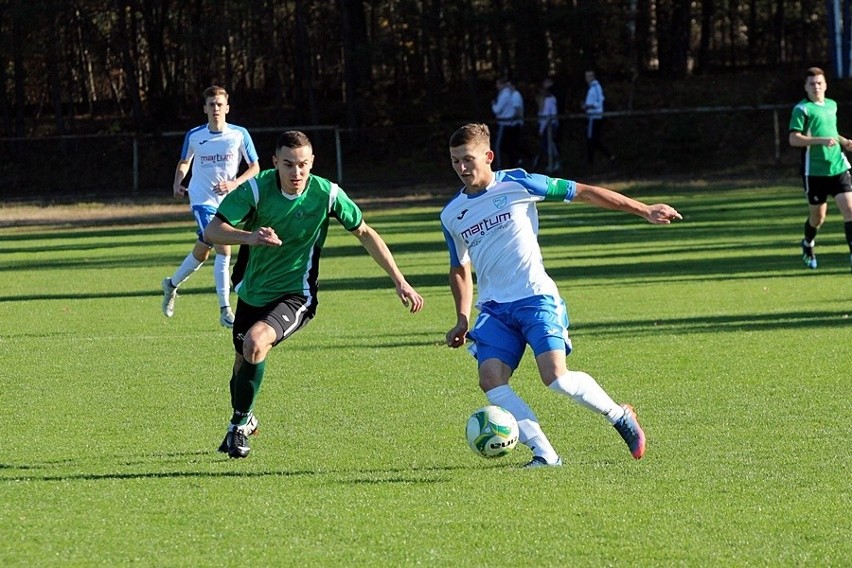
(819, 120)
(300, 221)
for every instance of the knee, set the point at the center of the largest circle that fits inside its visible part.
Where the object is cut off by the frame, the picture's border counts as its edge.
(201, 252)
(488, 383)
(254, 351)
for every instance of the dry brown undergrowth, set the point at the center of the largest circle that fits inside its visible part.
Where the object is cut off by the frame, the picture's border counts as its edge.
(110, 212)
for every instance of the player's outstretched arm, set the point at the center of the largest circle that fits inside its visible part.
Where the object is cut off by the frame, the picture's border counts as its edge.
(219, 232)
(380, 253)
(658, 214)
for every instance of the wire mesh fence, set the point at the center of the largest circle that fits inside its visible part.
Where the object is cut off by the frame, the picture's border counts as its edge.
(700, 141)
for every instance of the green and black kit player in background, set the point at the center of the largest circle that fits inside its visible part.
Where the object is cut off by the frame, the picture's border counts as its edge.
(284, 214)
(825, 169)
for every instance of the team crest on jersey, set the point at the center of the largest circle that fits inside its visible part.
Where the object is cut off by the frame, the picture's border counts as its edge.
(500, 202)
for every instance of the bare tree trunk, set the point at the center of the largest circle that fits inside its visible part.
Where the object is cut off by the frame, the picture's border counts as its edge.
(708, 7)
(83, 56)
(126, 32)
(778, 32)
(681, 22)
(356, 60)
(18, 74)
(305, 91)
(53, 46)
(155, 19)
(434, 47)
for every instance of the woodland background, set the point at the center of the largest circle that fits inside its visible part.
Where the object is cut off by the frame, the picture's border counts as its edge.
(81, 76)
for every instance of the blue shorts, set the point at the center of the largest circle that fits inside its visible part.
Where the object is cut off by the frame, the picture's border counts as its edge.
(503, 330)
(203, 214)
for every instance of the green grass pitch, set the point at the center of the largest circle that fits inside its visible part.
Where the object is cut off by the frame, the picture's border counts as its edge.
(736, 358)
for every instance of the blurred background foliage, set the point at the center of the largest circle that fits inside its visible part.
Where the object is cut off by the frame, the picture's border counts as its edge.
(398, 75)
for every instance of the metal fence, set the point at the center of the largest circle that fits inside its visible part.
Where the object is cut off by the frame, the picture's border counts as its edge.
(698, 141)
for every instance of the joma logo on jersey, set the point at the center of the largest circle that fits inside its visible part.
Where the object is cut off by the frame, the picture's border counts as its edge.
(216, 158)
(485, 225)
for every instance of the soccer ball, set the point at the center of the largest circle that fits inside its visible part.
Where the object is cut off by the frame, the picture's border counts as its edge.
(492, 432)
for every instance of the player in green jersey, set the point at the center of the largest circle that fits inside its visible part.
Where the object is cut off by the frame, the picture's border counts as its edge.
(284, 214)
(825, 169)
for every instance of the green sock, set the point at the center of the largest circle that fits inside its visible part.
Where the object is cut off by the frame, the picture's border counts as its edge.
(245, 385)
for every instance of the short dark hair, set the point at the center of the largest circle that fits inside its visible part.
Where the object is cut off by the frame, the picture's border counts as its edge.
(292, 139)
(472, 132)
(814, 71)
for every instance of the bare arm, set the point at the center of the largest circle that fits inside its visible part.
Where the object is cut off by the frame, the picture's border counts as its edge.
(380, 253)
(658, 214)
(799, 140)
(845, 143)
(220, 233)
(182, 169)
(226, 186)
(461, 285)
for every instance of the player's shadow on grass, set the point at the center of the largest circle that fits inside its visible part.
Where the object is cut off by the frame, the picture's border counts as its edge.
(391, 340)
(412, 475)
(96, 263)
(62, 234)
(97, 295)
(328, 284)
(662, 269)
(714, 324)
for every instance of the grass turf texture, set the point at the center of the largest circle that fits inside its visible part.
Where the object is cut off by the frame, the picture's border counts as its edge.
(736, 357)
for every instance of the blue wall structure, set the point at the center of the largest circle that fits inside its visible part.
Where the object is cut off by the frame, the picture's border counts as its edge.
(840, 36)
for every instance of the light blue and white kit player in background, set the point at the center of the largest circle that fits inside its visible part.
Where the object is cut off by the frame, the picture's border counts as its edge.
(215, 151)
(492, 225)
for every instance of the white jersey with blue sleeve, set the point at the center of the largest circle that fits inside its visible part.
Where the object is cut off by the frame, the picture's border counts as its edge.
(215, 157)
(497, 231)
(594, 100)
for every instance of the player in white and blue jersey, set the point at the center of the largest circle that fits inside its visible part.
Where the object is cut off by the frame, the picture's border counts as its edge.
(215, 151)
(492, 225)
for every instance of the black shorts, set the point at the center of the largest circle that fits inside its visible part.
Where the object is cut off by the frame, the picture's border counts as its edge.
(818, 188)
(286, 316)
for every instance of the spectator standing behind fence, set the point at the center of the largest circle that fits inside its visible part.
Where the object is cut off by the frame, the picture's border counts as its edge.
(825, 169)
(594, 107)
(548, 128)
(508, 109)
(214, 150)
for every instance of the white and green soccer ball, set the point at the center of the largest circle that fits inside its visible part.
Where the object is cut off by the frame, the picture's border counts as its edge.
(492, 432)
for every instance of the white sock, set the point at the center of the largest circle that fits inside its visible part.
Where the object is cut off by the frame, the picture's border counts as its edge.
(189, 265)
(530, 432)
(585, 390)
(222, 277)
